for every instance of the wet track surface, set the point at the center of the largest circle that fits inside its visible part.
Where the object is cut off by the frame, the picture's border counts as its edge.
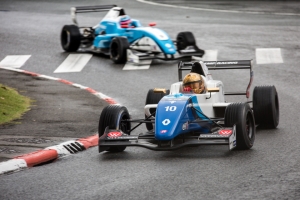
(270, 170)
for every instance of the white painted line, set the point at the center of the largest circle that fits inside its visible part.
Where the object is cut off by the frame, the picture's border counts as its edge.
(268, 55)
(210, 55)
(74, 63)
(14, 61)
(217, 10)
(145, 65)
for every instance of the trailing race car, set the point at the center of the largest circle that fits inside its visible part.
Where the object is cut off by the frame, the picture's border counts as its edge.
(193, 112)
(125, 39)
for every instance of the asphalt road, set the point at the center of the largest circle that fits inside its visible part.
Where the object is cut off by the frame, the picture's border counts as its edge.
(268, 171)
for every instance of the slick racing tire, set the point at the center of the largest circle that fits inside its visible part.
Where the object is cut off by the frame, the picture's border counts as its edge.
(185, 39)
(118, 50)
(242, 116)
(70, 38)
(111, 116)
(266, 106)
(153, 98)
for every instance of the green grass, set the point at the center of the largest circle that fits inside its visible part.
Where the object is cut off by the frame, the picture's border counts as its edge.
(12, 104)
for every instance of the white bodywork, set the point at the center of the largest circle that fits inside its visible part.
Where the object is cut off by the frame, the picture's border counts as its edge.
(146, 44)
(209, 102)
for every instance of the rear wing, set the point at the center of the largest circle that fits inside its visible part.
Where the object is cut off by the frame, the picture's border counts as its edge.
(202, 68)
(86, 9)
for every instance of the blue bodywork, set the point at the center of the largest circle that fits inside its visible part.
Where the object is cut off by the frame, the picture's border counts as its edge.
(108, 29)
(174, 114)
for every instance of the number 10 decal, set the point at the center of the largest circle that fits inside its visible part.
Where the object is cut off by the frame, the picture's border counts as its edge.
(170, 108)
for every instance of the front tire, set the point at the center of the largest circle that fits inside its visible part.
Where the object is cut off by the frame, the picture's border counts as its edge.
(153, 98)
(70, 38)
(111, 116)
(266, 106)
(241, 115)
(118, 50)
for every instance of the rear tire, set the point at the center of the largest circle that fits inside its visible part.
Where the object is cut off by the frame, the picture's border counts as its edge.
(266, 106)
(118, 50)
(241, 115)
(153, 98)
(111, 116)
(70, 38)
(185, 39)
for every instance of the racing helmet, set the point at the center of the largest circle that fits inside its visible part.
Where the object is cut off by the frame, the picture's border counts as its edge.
(125, 21)
(193, 82)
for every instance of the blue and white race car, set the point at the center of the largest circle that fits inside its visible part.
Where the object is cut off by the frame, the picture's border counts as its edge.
(175, 118)
(125, 39)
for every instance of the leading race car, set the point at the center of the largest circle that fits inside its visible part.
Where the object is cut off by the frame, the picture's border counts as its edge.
(183, 116)
(125, 39)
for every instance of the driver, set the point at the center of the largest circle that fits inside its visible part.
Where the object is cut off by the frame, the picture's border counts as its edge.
(125, 21)
(193, 82)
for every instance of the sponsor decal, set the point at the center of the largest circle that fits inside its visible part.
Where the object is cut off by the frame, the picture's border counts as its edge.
(222, 63)
(163, 131)
(114, 134)
(227, 63)
(185, 126)
(123, 137)
(212, 136)
(168, 45)
(175, 97)
(225, 132)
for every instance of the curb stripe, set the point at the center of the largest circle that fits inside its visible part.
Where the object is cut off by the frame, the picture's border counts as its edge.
(89, 141)
(38, 157)
(57, 151)
(65, 82)
(91, 90)
(12, 165)
(30, 73)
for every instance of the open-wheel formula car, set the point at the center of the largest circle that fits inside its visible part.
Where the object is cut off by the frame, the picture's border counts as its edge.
(175, 118)
(125, 39)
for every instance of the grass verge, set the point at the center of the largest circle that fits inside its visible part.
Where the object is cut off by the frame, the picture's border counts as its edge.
(12, 104)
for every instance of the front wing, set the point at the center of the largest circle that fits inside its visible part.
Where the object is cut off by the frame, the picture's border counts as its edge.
(116, 138)
(137, 57)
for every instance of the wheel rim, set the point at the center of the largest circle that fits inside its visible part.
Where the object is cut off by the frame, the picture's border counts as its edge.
(66, 38)
(124, 126)
(277, 108)
(249, 126)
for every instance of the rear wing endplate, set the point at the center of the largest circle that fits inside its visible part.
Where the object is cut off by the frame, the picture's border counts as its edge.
(86, 9)
(219, 65)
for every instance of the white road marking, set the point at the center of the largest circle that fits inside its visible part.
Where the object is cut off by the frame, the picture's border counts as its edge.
(217, 10)
(146, 65)
(268, 55)
(14, 61)
(210, 55)
(74, 63)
